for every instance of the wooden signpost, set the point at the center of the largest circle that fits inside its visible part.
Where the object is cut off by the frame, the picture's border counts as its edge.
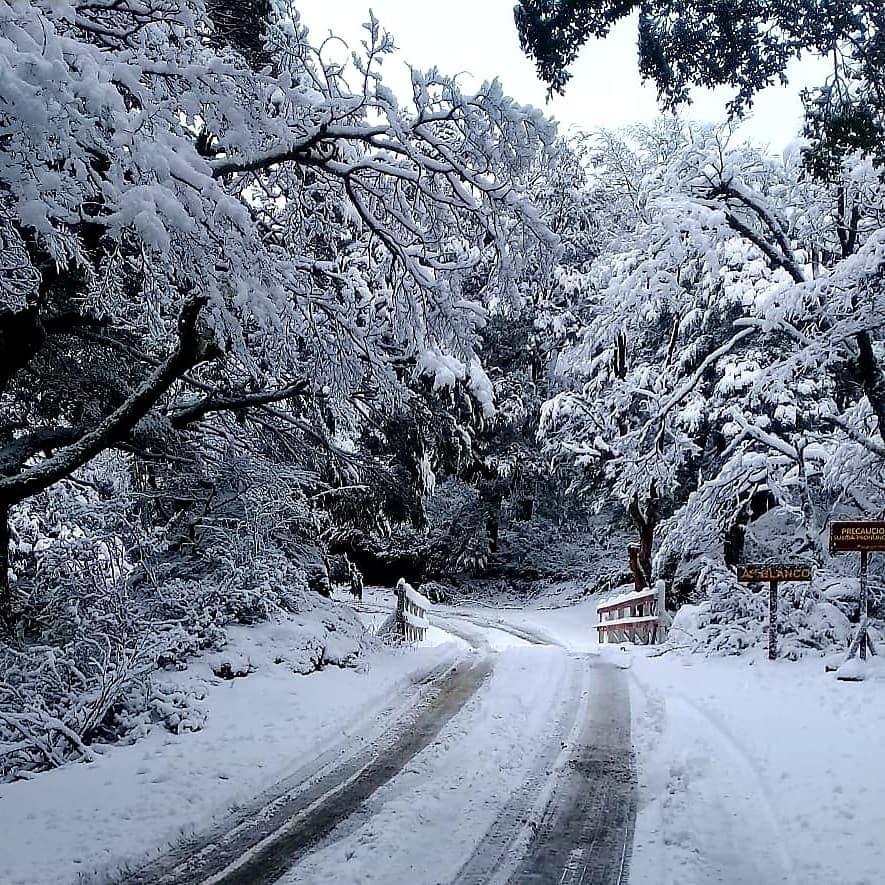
(774, 573)
(862, 537)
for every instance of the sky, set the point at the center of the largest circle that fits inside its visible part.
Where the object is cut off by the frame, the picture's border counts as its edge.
(477, 39)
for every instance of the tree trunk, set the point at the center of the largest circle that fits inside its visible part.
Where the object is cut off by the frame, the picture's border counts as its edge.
(493, 525)
(6, 617)
(872, 379)
(492, 495)
(733, 543)
(640, 553)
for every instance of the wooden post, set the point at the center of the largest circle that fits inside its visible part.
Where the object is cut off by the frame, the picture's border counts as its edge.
(772, 620)
(7, 620)
(401, 609)
(864, 604)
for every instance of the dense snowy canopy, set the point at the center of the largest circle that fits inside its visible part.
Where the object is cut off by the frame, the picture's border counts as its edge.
(267, 327)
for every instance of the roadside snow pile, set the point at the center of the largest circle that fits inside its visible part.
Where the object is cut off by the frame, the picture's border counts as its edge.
(59, 701)
(734, 617)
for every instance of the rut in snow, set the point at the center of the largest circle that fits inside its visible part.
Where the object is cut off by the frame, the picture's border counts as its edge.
(293, 825)
(584, 832)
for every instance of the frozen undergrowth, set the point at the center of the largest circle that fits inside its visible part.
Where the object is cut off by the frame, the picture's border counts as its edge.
(58, 701)
(733, 617)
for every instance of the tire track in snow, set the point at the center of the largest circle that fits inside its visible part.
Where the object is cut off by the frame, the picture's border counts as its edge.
(579, 830)
(261, 847)
(522, 811)
(419, 829)
(587, 833)
(534, 636)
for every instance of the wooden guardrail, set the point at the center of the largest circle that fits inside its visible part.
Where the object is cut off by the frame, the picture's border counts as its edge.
(636, 617)
(411, 612)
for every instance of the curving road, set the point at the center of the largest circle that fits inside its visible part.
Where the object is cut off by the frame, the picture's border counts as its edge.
(567, 819)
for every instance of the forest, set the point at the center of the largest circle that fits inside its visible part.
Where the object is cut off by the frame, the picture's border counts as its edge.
(268, 329)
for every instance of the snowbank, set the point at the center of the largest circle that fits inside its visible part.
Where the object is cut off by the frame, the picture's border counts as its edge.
(135, 800)
(756, 773)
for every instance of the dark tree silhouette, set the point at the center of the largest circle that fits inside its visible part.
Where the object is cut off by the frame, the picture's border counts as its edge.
(240, 24)
(743, 44)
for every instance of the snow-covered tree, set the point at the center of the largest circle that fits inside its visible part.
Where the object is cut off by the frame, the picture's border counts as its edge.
(222, 252)
(183, 234)
(745, 46)
(733, 355)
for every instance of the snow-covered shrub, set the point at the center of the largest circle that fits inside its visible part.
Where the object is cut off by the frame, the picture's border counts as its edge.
(105, 607)
(151, 702)
(321, 634)
(436, 591)
(177, 709)
(733, 617)
(56, 700)
(70, 556)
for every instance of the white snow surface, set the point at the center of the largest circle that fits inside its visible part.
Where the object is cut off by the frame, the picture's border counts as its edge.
(136, 800)
(757, 773)
(749, 771)
(423, 825)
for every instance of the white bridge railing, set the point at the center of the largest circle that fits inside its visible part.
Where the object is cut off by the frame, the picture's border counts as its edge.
(411, 612)
(637, 617)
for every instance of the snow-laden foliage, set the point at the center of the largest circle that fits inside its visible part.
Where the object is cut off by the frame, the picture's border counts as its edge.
(730, 362)
(223, 253)
(105, 616)
(138, 155)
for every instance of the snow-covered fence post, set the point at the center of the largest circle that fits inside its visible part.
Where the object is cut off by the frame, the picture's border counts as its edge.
(772, 620)
(663, 624)
(411, 612)
(400, 616)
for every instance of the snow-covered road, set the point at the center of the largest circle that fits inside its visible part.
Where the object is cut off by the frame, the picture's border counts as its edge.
(507, 748)
(535, 770)
(299, 812)
(514, 765)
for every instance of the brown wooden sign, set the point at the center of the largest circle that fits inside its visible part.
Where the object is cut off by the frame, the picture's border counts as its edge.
(751, 572)
(774, 573)
(853, 536)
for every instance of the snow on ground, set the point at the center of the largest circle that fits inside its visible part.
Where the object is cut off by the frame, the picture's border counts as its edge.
(455, 789)
(562, 615)
(749, 772)
(757, 772)
(435, 636)
(135, 800)
(573, 626)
